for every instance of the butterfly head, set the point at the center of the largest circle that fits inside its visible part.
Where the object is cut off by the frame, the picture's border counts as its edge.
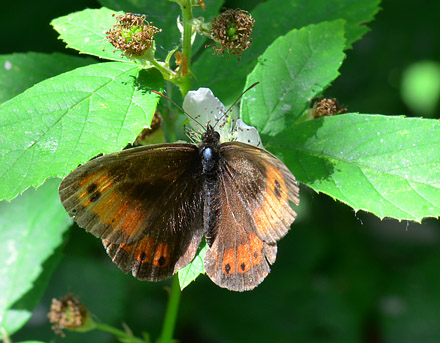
(210, 137)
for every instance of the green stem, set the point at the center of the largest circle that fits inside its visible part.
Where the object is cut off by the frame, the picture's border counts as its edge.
(119, 333)
(171, 313)
(185, 81)
(5, 336)
(166, 73)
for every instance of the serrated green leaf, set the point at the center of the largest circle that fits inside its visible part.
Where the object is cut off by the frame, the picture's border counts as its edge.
(226, 77)
(293, 70)
(189, 273)
(21, 71)
(298, 13)
(389, 166)
(85, 31)
(64, 121)
(31, 228)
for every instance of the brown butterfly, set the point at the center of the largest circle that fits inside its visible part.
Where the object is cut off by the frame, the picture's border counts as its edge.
(152, 205)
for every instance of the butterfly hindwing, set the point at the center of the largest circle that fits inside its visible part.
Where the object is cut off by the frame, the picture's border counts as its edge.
(237, 259)
(151, 259)
(255, 189)
(145, 203)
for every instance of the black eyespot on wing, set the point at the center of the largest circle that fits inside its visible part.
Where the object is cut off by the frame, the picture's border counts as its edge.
(162, 261)
(92, 190)
(227, 268)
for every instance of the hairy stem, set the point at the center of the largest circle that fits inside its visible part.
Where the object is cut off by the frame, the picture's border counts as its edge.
(185, 82)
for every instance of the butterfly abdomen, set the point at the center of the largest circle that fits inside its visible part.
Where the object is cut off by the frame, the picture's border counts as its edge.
(211, 208)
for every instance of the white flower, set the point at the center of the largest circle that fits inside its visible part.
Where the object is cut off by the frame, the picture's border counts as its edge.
(203, 108)
(247, 134)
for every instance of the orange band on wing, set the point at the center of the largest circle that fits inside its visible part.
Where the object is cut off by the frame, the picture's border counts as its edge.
(143, 249)
(117, 212)
(243, 258)
(228, 263)
(162, 255)
(256, 245)
(274, 216)
(246, 256)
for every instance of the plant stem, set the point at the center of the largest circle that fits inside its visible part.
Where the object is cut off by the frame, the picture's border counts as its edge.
(119, 333)
(185, 82)
(166, 73)
(6, 338)
(171, 313)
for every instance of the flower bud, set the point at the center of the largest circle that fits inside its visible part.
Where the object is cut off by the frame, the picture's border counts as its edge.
(327, 107)
(69, 313)
(232, 30)
(132, 35)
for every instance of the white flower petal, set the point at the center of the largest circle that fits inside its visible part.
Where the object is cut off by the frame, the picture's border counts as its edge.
(247, 134)
(204, 108)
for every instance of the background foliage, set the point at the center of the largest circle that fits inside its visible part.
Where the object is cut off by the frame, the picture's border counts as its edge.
(340, 276)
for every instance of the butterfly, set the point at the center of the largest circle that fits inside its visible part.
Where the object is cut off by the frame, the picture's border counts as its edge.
(152, 205)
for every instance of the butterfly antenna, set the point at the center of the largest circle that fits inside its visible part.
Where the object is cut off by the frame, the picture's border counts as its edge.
(236, 101)
(180, 108)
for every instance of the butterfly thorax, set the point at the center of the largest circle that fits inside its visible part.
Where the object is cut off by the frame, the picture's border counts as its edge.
(208, 150)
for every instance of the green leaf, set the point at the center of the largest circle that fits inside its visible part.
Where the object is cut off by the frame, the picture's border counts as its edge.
(64, 121)
(389, 166)
(21, 71)
(225, 77)
(293, 70)
(85, 31)
(298, 13)
(189, 273)
(31, 228)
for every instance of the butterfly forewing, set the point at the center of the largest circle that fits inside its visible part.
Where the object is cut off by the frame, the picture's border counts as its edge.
(266, 186)
(145, 203)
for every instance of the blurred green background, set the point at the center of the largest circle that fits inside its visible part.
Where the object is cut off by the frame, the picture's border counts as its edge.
(340, 276)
